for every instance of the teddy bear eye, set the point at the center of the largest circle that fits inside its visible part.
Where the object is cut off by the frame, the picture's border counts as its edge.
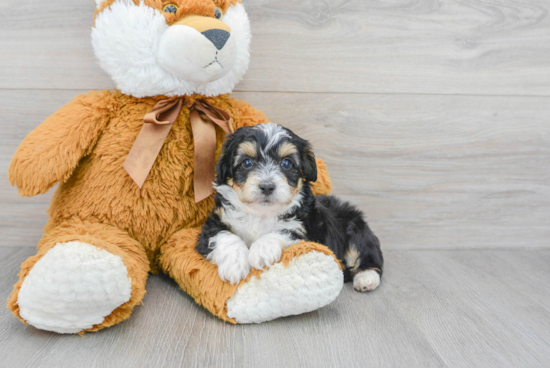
(218, 13)
(170, 8)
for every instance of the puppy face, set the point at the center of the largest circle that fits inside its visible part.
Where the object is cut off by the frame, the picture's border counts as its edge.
(266, 166)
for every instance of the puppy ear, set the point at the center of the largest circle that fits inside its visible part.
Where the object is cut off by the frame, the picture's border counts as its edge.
(224, 168)
(307, 157)
(309, 165)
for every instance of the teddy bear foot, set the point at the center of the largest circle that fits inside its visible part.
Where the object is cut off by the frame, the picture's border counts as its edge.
(307, 283)
(73, 287)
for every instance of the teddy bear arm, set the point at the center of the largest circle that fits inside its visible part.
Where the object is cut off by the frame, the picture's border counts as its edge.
(312, 278)
(245, 115)
(51, 152)
(323, 185)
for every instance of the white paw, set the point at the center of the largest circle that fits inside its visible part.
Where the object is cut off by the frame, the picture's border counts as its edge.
(231, 255)
(234, 268)
(264, 252)
(366, 281)
(73, 287)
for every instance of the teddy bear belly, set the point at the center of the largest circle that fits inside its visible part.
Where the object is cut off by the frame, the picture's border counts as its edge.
(151, 215)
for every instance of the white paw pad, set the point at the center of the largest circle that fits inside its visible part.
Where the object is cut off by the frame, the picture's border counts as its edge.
(73, 287)
(366, 281)
(264, 253)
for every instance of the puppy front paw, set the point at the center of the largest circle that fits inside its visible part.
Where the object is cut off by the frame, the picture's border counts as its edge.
(264, 252)
(234, 268)
(366, 281)
(230, 253)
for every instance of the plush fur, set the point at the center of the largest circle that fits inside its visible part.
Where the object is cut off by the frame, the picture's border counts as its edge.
(82, 147)
(265, 204)
(126, 39)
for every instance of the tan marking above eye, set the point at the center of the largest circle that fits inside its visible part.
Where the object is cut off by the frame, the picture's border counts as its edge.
(248, 149)
(287, 149)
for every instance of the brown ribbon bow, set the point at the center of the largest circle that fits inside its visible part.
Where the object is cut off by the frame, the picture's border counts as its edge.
(157, 125)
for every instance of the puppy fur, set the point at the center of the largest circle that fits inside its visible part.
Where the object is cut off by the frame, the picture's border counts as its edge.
(264, 204)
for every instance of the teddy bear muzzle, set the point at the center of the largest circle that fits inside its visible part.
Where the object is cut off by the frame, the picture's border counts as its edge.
(199, 49)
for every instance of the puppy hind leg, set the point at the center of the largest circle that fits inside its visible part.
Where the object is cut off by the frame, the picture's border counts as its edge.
(364, 260)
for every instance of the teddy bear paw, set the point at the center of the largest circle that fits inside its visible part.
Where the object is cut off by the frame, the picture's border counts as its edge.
(73, 287)
(306, 283)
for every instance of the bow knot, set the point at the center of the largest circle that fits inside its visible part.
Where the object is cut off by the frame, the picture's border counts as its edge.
(157, 124)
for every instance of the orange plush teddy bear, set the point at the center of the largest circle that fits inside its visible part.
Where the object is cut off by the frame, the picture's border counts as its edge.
(135, 167)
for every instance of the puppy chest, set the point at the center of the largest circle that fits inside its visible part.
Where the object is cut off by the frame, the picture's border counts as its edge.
(251, 227)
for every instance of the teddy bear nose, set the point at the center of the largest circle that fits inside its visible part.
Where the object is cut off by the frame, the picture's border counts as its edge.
(217, 36)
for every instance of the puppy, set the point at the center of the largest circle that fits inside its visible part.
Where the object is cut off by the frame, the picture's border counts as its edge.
(264, 204)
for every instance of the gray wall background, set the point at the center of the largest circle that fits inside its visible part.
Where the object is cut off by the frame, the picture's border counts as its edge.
(432, 115)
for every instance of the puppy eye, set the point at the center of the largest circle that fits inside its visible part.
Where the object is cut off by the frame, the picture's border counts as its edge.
(170, 8)
(247, 163)
(218, 13)
(286, 164)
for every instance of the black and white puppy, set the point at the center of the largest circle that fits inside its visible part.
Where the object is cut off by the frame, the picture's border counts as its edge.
(264, 204)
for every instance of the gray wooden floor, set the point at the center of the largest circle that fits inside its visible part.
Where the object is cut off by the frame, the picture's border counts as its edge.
(433, 117)
(434, 308)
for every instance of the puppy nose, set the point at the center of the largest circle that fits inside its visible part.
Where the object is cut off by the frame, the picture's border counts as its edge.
(217, 36)
(267, 188)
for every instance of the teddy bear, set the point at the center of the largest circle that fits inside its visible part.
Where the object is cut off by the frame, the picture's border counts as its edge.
(135, 171)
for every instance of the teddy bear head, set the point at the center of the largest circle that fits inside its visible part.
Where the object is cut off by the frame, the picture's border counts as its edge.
(172, 47)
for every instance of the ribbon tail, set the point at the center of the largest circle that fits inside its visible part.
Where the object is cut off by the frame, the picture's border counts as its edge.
(150, 139)
(204, 137)
(145, 150)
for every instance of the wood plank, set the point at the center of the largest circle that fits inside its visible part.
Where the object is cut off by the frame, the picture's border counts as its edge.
(483, 47)
(49, 46)
(468, 312)
(354, 331)
(170, 330)
(433, 308)
(429, 171)
(529, 267)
